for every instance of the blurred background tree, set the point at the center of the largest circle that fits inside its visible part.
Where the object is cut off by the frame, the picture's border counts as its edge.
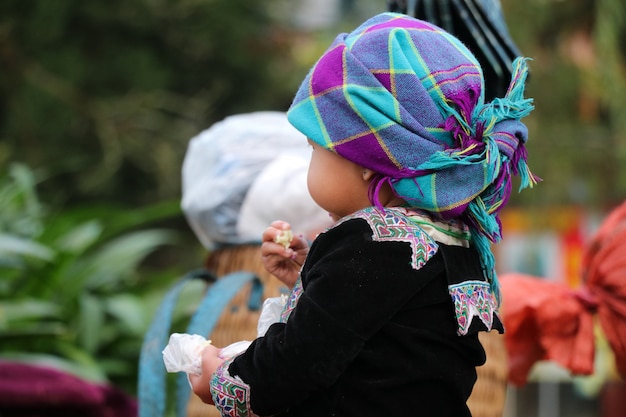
(578, 80)
(100, 98)
(106, 94)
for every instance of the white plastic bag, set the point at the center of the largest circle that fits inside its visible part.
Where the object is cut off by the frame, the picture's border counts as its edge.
(270, 313)
(223, 161)
(183, 353)
(234, 349)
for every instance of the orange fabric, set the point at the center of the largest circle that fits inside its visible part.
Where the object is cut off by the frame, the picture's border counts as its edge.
(546, 320)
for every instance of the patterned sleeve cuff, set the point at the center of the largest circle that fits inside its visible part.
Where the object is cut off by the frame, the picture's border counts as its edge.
(230, 394)
(292, 300)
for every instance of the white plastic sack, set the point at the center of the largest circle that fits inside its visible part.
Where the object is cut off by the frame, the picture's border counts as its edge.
(280, 192)
(222, 162)
(234, 349)
(183, 353)
(270, 313)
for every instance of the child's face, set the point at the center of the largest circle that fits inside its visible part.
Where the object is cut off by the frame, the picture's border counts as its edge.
(336, 184)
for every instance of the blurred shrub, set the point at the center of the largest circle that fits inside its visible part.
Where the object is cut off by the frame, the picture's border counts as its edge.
(578, 80)
(106, 93)
(71, 294)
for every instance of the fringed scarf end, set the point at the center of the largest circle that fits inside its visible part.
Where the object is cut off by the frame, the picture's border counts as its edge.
(488, 262)
(513, 105)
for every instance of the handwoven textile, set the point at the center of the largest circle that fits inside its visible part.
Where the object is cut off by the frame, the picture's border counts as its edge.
(404, 98)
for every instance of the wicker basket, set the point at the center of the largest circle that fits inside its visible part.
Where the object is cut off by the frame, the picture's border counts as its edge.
(239, 323)
(489, 394)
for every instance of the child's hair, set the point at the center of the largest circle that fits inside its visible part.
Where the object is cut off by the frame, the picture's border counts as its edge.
(405, 99)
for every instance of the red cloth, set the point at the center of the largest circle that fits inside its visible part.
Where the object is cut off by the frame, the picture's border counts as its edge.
(545, 320)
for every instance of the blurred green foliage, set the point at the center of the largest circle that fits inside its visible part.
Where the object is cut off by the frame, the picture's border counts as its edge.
(106, 94)
(578, 80)
(101, 97)
(71, 291)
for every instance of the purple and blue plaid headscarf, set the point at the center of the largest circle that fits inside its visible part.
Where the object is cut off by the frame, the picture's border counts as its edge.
(405, 99)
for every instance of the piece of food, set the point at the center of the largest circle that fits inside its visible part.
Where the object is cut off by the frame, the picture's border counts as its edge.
(284, 238)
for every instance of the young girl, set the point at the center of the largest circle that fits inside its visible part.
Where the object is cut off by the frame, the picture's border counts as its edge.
(386, 304)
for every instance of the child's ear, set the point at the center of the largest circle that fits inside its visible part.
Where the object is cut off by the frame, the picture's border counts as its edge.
(367, 174)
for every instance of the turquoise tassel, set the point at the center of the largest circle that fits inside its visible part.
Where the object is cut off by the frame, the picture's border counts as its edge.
(488, 261)
(527, 179)
(485, 221)
(513, 105)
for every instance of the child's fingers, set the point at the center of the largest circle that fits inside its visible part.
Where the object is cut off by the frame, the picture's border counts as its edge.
(275, 258)
(193, 379)
(210, 350)
(273, 249)
(280, 224)
(299, 243)
(274, 231)
(200, 385)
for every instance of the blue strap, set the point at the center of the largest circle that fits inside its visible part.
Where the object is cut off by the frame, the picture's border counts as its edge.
(206, 316)
(152, 387)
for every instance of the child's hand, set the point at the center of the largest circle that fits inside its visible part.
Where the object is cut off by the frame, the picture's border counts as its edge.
(201, 384)
(281, 257)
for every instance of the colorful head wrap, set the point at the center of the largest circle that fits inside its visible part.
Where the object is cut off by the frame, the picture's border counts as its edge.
(405, 99)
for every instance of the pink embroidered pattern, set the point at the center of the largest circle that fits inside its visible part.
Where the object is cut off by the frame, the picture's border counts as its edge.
(393, 224)
(472, 299)
(294, 296)
(230, 394)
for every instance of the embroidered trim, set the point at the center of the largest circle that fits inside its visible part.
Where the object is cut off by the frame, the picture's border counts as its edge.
(230, 394)
(451, 232)
(472, 299)
(392, 224)
(294, 296)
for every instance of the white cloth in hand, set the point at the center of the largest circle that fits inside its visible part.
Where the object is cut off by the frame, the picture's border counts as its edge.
(183, 353)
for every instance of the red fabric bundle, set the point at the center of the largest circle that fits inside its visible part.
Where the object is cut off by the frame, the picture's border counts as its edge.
(545, 320)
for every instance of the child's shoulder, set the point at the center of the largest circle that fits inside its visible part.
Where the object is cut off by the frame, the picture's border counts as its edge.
(386, 219)
(393, 225)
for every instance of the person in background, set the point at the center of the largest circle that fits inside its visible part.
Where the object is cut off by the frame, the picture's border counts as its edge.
(228, 173)
(243, 172)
